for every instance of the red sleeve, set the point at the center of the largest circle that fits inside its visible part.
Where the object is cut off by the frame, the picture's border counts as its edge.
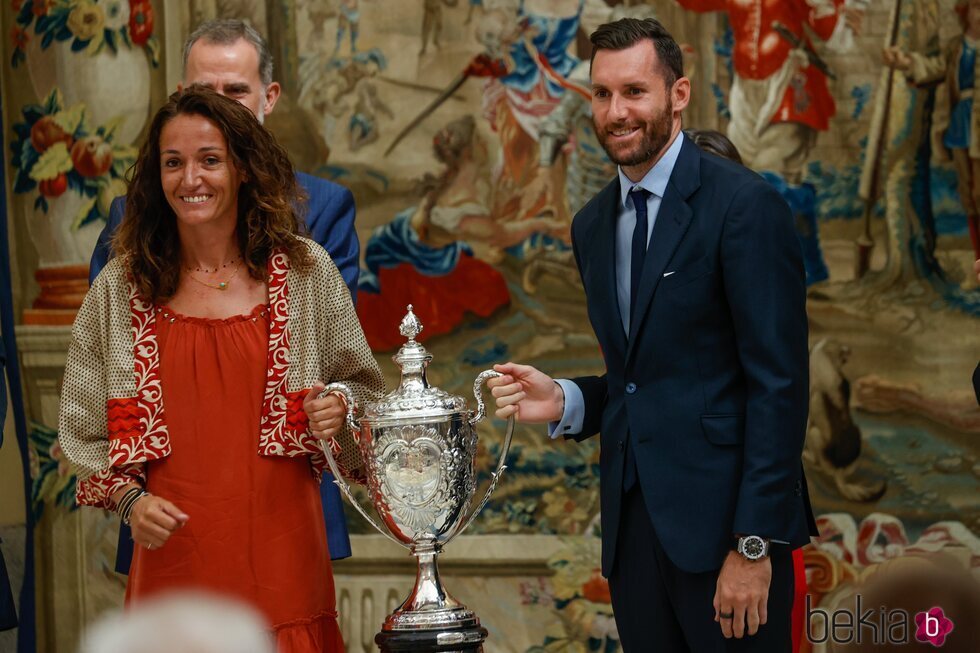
(97, 490)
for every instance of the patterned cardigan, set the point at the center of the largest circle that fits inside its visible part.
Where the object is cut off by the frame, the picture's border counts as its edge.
(113, 419)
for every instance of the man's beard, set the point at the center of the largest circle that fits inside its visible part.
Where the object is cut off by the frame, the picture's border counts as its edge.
(655, 135)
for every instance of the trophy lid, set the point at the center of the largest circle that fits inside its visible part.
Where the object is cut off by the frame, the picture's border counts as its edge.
(414, 398)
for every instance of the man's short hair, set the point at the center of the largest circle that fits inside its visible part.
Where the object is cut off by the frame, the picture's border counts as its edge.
(627, 32)
(228, 31)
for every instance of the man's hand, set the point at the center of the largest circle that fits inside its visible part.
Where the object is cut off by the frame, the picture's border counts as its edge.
(531, 396)
(154, 520)
(742, 595)
(896, 58)
(327, 414)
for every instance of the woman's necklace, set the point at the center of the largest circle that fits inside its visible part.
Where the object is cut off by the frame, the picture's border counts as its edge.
(221, 285)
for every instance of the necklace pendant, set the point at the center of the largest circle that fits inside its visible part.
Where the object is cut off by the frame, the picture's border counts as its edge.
(222, 285)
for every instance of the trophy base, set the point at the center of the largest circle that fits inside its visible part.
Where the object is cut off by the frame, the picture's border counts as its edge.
(464, 640)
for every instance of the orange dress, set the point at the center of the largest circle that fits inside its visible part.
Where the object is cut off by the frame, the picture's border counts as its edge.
(256, 530)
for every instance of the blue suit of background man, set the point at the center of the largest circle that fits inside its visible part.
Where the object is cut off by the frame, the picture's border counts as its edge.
(330, 220)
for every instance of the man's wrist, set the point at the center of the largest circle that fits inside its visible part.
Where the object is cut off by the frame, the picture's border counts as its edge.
(559, 401)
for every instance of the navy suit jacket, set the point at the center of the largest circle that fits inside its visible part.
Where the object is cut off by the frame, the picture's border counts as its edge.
(710, 385)
(8, 614)
(329, 217)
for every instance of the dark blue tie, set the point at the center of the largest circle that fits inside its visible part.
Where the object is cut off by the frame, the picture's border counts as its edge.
(638, 249)
(638, 252)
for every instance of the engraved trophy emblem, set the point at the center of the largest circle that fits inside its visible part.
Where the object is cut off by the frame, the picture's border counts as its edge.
(419, 449)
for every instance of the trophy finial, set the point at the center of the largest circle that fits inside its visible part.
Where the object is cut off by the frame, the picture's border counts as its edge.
(410, 326)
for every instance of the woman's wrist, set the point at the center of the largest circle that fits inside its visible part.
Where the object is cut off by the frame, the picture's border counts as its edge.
(116, 497)
(124, 508)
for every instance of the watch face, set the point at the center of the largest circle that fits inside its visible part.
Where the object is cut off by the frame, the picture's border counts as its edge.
(753, 547)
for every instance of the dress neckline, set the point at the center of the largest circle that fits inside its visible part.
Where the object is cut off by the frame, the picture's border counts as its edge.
(167, 313)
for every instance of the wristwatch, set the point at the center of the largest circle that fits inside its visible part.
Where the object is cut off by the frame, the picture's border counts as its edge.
(752, 547)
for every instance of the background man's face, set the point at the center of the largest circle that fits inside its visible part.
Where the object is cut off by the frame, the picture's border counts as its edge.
(233, 71)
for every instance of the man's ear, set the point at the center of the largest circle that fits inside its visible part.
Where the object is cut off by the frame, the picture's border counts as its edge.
(681, 94)
(272, 92)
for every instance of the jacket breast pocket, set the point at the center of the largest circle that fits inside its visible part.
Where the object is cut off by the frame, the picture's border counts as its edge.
(681, 275)
(724, 430)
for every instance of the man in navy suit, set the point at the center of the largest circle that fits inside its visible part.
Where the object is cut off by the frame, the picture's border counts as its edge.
(233, 59)
(694, 284)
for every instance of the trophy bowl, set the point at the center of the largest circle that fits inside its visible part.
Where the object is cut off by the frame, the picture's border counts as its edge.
(419, 447)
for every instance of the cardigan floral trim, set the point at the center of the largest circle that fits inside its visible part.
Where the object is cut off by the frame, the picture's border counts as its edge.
(97, 490)
(136, 425)
(281, 410)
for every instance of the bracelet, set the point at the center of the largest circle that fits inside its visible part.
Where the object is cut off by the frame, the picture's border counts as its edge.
(125, 515)
(125, 497)
(122, 508)
(125, 506)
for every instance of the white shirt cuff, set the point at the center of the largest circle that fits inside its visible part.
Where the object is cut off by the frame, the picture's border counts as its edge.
(574, 415)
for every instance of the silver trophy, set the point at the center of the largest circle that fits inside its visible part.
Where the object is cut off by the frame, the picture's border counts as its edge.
(419, 446)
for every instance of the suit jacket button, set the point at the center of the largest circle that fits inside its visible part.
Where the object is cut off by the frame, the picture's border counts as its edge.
(622, 445)
(799, 488)
(630, 388)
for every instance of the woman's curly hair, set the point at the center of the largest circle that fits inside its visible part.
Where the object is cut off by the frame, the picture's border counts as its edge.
(268, 198)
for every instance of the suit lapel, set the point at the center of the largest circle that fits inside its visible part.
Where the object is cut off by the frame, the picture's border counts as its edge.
(602, 237)
(673, 220)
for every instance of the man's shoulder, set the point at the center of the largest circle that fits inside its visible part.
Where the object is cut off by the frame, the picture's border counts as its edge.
(719, 169)
(728, 179)
(116, 211)
(317, 187)
(600, 203)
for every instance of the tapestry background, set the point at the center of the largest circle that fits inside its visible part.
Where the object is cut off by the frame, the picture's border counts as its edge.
(467, 217)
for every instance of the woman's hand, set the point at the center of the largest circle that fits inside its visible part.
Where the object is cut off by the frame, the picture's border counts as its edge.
(326, 414)
(153, 520)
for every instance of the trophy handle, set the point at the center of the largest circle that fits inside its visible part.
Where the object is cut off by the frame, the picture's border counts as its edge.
(348, 395)
(501, 466)
(481, 409)
(338, 479)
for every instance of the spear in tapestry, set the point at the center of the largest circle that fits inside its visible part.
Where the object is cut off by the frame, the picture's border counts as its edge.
(870, 187)
(482, 65)
(799, 44)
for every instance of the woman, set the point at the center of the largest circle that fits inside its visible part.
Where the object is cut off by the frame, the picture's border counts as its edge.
(190, 363)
